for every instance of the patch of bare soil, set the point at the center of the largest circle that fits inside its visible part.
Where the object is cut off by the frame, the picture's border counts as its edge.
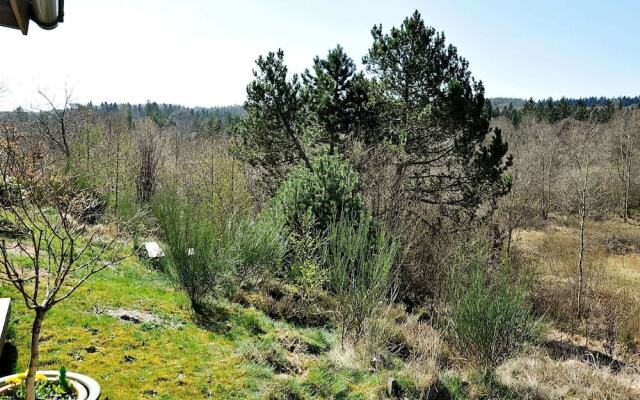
(139, 317)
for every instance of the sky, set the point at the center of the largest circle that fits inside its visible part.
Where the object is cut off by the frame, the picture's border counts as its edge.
(201, 52)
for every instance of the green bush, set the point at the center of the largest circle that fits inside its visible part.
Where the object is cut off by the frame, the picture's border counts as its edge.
(490, 317)
(199, 256)
(359, 258)
(322, 195)
(304, 243)
(260, 244)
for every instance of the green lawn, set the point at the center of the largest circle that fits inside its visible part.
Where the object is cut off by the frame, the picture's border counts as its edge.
(176, 362)
(244, 356)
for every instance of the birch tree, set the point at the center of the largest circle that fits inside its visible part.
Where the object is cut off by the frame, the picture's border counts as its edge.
(583, 190)
(625, 129)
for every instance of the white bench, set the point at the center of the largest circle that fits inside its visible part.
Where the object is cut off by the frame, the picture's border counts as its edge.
(5, 312)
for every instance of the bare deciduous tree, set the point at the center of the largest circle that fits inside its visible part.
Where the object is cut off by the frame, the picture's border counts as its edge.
(583, 188)
(55, 123)
(62, 253)
(148, 143)
(516, 208)
(625, 128)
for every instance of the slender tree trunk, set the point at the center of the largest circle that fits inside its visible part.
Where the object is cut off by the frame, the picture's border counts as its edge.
(583, 215)
(117, 188)
(626, 191)
(33, 361)
(548, 202)
(65, 143)
(543, 191)
(300, 148)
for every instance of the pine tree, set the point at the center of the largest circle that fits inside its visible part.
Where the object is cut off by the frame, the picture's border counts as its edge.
(580, 111)
(488, 110)
(529, 107)
(549, 111)
(337, 95)
(564, 111)
(438, 114)
(214, 126)
(274, 125)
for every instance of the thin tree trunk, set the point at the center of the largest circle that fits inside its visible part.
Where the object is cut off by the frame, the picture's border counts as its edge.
(548, 202)
(583, 214)
(33, 361)
(117, 167)
(626, 191)
(543, 191)
(67, 149)
(300, 148)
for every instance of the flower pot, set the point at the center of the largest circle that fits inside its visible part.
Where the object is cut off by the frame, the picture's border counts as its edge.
(84, 387)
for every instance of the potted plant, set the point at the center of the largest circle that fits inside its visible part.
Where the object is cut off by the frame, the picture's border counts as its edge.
(50, 385)
(62, 256)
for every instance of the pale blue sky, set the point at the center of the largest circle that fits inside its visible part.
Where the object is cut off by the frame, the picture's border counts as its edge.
(201, 52)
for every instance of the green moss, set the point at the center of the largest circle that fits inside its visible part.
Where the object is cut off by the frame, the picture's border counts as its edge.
(176, 361)
(239, 353)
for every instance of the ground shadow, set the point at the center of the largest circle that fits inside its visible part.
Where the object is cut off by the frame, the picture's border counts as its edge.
(569, 351)
(9, 359)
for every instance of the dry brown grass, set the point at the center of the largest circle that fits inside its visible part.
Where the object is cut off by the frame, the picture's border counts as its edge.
(612, 281)
(537, 376)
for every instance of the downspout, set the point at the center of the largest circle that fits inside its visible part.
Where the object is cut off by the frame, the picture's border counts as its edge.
(48, 13)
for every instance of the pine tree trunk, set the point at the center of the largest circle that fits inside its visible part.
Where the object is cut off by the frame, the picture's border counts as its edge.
(299, 147)
(33, 361)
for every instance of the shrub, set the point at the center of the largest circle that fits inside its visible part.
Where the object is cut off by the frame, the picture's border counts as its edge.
(287, 389)
(282, 301)
(490, 317)
(10, 191)
(309, 277)
(199, 259)
(324, 194)
(359, 258)
(303, 244)
(260, 244)
(328, 381)
(269, 354)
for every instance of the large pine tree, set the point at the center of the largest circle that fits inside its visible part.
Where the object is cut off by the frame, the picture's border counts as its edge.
(422, 97)
(273, 128)
(436, 110)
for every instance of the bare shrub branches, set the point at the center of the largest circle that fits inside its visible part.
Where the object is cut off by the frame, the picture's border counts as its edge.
(149, 153)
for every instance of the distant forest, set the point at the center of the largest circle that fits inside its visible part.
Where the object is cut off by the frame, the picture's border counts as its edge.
(599, 109)
(197, 119)
(216, 119)
(593, 101)
(204, 119)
